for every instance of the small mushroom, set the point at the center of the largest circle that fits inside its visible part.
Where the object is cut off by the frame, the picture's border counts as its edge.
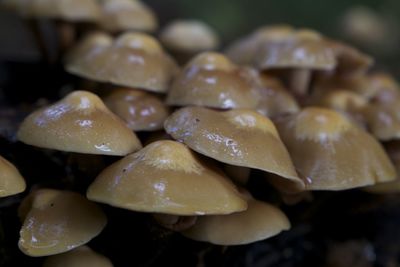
(11, 181)
(79, 257)
(330, 153)
(212, 80)
(58, 221)
(237, 137)
(134, 60)
(140, 110)
(166, 177)
(126, 15)
(81, 123)
(260, 221)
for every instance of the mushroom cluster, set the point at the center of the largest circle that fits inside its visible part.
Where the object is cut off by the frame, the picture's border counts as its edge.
(289, 107)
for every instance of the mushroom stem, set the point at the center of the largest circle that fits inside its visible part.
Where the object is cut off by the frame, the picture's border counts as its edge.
(238, 174)
(40, 39)
(175, 222)
(299, 81)
(66, 35)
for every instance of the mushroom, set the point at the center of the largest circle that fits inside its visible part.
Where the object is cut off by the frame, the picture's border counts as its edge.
(133, 60)
(79, 257)
(212, 80)
(260, 221)
(11, 181)
(185, 38)
(166, 177)
(140, 110)
(57, 221)
(81, 123)
(126, 15)
(330, 153)
(237, 137)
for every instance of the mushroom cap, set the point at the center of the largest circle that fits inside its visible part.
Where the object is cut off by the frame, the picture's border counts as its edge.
(237, 137)
(58, 221)
(166, 177)
(189, 36)
(260, 221)
(140, 110)
(275, 100)
(80, 122)
(383, 120)
(134, 60)
(210, 79)
(11, 181)
(80, 257)
(125, 15)
(330, 153)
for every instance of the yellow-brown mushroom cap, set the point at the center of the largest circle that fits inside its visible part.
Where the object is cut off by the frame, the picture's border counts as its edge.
(58, 221)
(383, 120)
(11, 181)
(79, 257)
(237, 137)
(260, 221)
(330, 153)
(134, 60)
(166, 177)
(212, 80)
(81, 123)
(189, 36)
(124, 15)
(140, 110)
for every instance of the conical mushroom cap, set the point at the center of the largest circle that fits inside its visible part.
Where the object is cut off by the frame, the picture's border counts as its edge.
(58, 221)
(260, 221)
(80, 257)
(212, 80)
(237, 137)
(330, 153)
(81, 123)
(11, 181)
(166, 177)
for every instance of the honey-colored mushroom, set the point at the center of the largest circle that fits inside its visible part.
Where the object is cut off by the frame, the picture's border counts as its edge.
(237, 137)
(140, 110)
(134, 60)
(81, 123)
(330, 153)
(79, 257)
(166, 177)
(260, 221)
(11, 181)
(383, 119)
(58, 221)
(125, 15)
(212, 80)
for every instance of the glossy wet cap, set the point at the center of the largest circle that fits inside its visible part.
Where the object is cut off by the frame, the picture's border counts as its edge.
(260, 221)
(383, 120)
(125, 15)
(140, 110)
(58, 221)
(212, 80)
(80, 122)
(330, 153)
(166, 177)
(189, 36)
(134, 60)
(11, 181)
(80, 257)
(237, 137)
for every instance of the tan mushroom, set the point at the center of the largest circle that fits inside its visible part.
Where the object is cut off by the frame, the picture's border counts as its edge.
(58, 221)
(80, 257)
(134, 60)
(260, 221)
(212, 80)
(166, 177)
(330, 153)
(125, 15)
(237, 137)
(383, 119)
(140, 110)
(11, 181)
(81, 123)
